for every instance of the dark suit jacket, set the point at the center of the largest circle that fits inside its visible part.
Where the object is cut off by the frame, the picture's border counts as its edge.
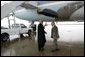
(41, 34)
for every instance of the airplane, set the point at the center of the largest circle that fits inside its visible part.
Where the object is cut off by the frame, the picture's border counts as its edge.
(55, 11)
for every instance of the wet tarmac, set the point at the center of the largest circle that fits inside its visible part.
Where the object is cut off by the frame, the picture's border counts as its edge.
(28, 47)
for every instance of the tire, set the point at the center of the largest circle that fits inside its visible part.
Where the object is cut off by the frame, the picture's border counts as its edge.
(5, 37)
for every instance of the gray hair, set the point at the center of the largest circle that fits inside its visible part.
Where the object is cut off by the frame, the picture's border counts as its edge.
(53, 23)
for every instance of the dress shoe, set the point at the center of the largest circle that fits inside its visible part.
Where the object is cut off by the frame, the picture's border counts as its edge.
(54, 50)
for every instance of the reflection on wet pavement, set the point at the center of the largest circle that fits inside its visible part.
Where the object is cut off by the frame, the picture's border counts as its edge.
(28, 47)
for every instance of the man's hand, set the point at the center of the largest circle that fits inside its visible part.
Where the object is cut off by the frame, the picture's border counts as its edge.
(45, 32)
(58, 37)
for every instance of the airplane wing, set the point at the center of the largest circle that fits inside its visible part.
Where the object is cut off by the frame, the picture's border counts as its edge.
(32, 15)
(59, 10)
(29, 10)
(64, 9)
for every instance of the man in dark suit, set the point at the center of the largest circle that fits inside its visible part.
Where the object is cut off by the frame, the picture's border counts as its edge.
(55, 36)
(41, 36)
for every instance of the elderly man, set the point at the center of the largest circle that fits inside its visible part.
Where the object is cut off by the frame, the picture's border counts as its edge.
(55, 36)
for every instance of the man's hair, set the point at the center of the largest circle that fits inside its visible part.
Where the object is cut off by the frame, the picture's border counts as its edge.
(53, 23)
(40, 21)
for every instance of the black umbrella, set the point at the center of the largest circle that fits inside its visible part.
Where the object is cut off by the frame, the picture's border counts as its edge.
(48, 12)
